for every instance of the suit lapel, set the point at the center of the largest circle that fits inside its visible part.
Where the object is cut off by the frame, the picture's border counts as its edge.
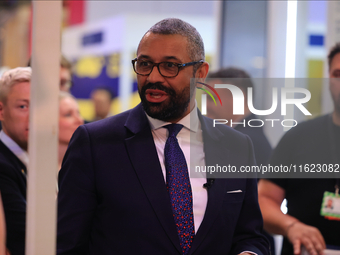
(144, 158)
(216, 192)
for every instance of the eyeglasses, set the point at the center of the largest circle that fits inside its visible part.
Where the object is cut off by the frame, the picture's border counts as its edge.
(166, 69)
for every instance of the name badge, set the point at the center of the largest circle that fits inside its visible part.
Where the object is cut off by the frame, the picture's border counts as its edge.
(330, 207)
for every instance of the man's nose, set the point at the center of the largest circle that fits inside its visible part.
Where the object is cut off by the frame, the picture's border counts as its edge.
(155, 76)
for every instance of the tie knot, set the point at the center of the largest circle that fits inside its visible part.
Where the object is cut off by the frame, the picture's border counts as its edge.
(174, 129)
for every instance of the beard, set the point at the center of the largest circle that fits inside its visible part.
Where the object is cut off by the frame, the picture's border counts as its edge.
(335, 83)
(173, 108)
(336, 103)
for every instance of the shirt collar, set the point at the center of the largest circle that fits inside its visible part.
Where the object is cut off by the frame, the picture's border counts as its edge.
(14, 147)
(190, 121)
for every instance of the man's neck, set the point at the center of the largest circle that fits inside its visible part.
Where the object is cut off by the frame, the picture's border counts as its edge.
(190, 122)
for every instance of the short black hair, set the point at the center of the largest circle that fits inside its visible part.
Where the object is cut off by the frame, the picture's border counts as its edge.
(335, 50)
(174, 26)
(106, 89)
(240, 78)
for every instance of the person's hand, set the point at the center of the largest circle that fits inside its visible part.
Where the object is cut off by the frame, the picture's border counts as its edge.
(299, 234)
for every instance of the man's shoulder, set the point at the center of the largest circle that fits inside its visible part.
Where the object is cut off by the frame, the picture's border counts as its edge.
(308, 140)
(320, 121)
(313, 127)
(117, 122)
(113, 121)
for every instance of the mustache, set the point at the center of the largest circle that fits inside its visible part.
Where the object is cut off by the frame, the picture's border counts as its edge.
(158, 86)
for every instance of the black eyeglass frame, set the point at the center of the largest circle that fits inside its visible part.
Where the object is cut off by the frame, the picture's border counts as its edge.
(157, 64)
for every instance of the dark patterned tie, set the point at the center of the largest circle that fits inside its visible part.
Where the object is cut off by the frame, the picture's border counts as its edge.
(179, 188)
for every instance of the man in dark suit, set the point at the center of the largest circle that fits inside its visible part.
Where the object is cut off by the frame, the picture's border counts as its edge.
(14, 110)
(124, 186)
(242, 80)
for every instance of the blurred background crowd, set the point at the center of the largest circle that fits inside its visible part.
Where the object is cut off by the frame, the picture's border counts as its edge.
(257, 39)
(99, 40)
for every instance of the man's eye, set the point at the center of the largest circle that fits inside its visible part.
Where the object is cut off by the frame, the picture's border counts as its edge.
(144, 63)
(22, 106)
(169, 64)
(68, 114)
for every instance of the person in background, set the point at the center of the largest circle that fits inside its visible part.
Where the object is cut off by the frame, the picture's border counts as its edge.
(65, 73)
(69, 121)
(101, 98)
(315, 141)
(242, 80)
(14, 115)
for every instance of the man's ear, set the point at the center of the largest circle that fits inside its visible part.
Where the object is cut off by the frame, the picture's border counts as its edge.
(202, 71)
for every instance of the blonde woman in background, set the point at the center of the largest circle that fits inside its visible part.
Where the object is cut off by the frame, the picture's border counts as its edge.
(69, 121)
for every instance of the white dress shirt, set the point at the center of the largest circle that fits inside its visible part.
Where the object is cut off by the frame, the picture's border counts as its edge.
(190, 140)
(15, 148)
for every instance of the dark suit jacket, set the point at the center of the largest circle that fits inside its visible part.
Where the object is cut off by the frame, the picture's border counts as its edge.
(262, 147)
(13, 193)
(113, 198)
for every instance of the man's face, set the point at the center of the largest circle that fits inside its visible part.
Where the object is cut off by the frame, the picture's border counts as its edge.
(167, 99)
(102, 103)
(334, 75)
(69, 119)
(14, 113)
